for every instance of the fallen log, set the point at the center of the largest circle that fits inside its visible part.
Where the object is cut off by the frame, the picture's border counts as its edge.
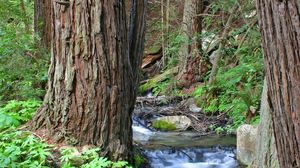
(151, 58)
(151, 83)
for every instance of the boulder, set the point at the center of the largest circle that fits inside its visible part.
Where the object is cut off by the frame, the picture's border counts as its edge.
(181, 122)
(194, 108)
(246, 143)
(141, 134)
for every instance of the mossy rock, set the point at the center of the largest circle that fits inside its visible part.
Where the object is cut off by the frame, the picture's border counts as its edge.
(163, 125)
(171, 123)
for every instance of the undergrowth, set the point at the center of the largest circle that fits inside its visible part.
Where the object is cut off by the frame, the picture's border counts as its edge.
(22, 149)
(237, 88)
(24, 64)
(90, 159)
(16, 113)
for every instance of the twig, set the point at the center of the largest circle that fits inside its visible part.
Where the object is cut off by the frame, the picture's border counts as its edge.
(206, 14)
(215, 67)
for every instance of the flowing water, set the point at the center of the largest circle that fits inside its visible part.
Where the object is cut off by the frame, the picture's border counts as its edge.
(215, 157)
(185, 149)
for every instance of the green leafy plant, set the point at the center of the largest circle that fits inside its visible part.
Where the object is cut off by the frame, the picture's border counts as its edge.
(18, 48)
(67, 156)
(219, 130)
(237, 88)
(160, 87)
(100, 162)
(138, 160)
(17, 112)
(22, 149)
(90, 159)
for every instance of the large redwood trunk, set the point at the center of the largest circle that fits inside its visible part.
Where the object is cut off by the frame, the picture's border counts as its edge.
(194, 65)
(279, 22)
(42, 21)
(93, 74)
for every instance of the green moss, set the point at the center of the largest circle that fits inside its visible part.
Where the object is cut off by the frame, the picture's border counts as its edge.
(163, 125)
(153, 49)
(138, 160)
(159, 82)
(147, 86)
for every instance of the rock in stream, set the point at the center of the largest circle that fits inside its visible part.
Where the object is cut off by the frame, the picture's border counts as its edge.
(180, 149)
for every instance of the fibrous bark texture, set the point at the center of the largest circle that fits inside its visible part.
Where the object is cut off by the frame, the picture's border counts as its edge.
(42, 21)
(265, 154)
(279, 23)
(194, 65)
(93, 74)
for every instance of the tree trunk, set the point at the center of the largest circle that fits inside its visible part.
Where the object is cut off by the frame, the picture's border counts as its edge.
(279, 23)
(218, 56)
(265, 154)
(93, 75)
(137, 38)
(42, 21)
(194, 65)
(25, 17)
(162, 10)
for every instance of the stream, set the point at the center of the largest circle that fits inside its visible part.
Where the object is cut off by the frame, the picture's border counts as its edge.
(185, 149)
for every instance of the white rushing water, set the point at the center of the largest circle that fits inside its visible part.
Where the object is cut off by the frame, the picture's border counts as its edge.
(192, 158)
(181, 151)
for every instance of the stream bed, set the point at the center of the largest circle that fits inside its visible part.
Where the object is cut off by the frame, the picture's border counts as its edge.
(185, 149)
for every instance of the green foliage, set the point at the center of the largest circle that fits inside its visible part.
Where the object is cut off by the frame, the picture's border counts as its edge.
(163, 125)
(147, 86)
(160, 87)
(139, 160)
(162, 84)
(172, 50)
(91, 159)
(23, 67)
(67, 156)
(238, 84)
(22, 149)
(228, 129)
(98, 162)
(17, 112)
(237, 88)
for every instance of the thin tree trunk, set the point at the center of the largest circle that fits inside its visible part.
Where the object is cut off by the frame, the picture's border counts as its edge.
(279, 24)
(164, 59)
(137, 37)
(194, 65)
(42, 21)
(93, 75)
(25, 16)
(166, 45)
(218, 56)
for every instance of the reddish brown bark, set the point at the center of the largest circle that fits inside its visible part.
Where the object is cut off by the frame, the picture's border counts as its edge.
(93, 74)
(279, 23)
(194, 66)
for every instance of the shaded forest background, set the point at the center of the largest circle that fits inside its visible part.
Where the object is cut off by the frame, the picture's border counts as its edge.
(230, 34)
(238, 83)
